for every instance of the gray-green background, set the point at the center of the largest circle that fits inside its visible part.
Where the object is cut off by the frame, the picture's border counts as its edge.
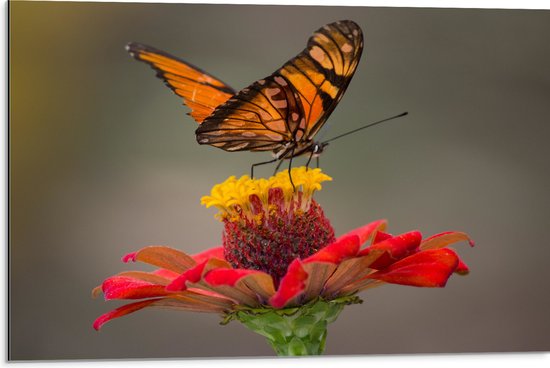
(104, 161)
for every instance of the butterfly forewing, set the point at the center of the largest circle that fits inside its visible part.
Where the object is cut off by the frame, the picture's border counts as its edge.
(284, 111)
(321, 73)
(201, 92)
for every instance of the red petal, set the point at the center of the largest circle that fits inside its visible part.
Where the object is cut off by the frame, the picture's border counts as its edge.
(345, 247)
(429, 268)
(226, 276)
(121, 311)
(121, 287)
(130, 257)
(367, 231)
(462, 268)
(397, 247)
(292, 284)
(192, 275)
(207, 254)
(185, 301)
(380, 236)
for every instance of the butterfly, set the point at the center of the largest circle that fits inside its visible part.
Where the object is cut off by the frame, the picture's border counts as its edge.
(281, 113)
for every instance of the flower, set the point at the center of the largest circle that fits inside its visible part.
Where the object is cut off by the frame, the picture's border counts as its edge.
(280, 263)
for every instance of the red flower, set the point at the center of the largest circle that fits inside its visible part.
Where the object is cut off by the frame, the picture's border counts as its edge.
(279, 251)
(206, 282)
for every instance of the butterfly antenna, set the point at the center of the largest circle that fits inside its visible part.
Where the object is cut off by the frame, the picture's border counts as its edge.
(365, 127)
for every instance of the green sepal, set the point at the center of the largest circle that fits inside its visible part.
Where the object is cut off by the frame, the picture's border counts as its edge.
(296, 330)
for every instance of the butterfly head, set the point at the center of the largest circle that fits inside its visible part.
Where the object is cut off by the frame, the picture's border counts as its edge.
(317, 148)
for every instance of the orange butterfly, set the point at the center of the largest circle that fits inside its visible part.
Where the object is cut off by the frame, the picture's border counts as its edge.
(280, 113)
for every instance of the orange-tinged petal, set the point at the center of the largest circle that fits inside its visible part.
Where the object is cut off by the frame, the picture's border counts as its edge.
(180, 302)
(151, 277)
(262, 284)
(368, 231)
(232, 283)
(96, 291)
(350, 272)
(444, 239)
(163, 257)
(121, 311)
(167, 274)
(318, 274)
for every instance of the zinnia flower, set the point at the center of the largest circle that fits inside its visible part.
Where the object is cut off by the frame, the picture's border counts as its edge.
(280, 270)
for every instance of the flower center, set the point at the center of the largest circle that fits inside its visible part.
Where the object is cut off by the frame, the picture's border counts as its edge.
(267, 223)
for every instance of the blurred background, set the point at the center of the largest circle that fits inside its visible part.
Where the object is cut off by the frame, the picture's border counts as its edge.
(104, 161)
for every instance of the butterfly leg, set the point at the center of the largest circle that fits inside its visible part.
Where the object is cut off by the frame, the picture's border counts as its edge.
(278, 166)
(309, 160)
(317, 159)
(290, 167)
(259, 164)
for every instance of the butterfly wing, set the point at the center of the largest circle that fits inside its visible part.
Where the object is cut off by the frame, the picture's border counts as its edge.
(201, 92)
(284, 111)
(322, 72)
(262, 117)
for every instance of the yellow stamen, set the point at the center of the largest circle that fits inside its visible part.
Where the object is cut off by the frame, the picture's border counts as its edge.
(234, 194)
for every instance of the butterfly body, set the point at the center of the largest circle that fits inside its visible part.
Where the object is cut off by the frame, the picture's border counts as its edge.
(281, 113)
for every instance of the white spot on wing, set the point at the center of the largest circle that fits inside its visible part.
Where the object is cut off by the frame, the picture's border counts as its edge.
(277, 125)
(346, 47)
(317, 54)
(280, 104)
(270, 92)
(238, 146)
(281, 81)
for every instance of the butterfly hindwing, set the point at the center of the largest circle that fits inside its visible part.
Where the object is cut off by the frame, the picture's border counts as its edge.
(262, 117)
(284, 111)
(201, 92)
